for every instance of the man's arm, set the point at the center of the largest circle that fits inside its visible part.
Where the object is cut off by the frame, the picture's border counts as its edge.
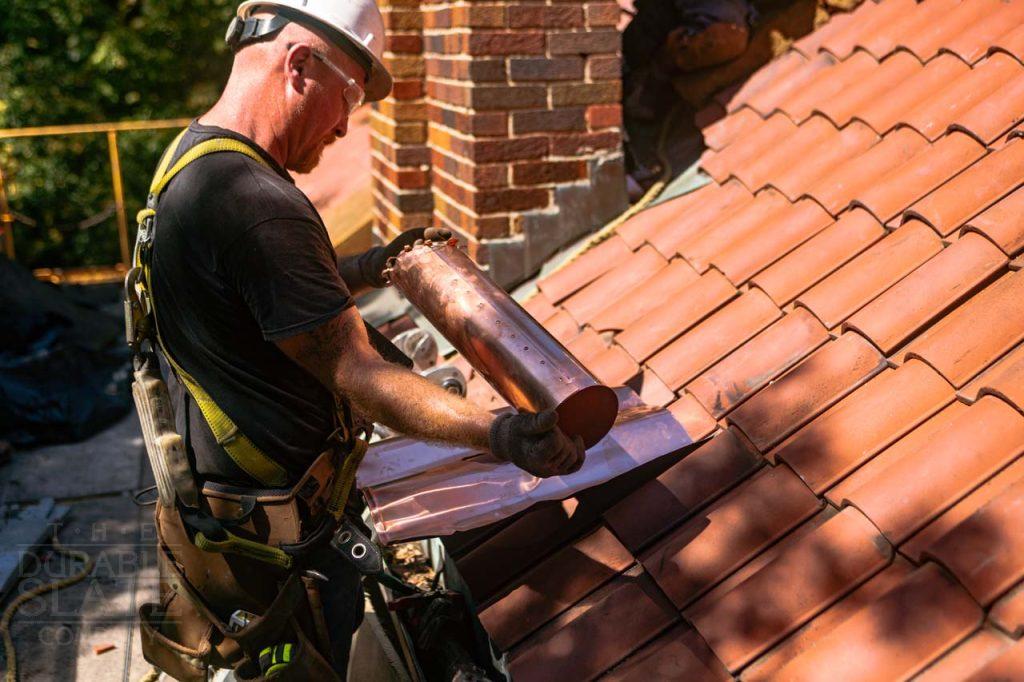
(339, 355)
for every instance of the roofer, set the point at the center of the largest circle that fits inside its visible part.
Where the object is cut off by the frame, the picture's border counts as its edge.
(274, 379)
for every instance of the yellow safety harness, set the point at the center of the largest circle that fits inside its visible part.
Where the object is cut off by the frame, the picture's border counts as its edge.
(167, 457)
(242, 451)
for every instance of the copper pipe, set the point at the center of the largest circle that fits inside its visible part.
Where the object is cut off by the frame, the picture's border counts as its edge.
(519, 358)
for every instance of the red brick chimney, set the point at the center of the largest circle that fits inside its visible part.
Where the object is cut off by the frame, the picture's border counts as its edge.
(505, 125)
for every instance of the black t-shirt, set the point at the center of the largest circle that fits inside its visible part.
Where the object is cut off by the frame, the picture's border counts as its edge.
(242, 259)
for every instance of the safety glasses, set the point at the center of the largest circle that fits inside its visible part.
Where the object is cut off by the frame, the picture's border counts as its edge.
(354, 93)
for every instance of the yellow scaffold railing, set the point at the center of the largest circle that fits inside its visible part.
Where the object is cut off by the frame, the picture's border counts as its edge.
(7, 217)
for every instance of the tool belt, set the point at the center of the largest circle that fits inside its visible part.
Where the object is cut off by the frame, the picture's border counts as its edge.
(225, 550)
(190, 629)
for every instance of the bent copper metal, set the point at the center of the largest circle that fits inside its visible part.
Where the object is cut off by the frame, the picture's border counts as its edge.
(432, 490)
(519, 358)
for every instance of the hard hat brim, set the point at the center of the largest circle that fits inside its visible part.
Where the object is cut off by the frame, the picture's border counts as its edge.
(378, 85)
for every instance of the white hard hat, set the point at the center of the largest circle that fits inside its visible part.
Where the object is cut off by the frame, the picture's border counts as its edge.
(358, 21)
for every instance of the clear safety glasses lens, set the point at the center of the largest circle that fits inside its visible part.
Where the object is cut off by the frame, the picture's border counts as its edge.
(354, 94)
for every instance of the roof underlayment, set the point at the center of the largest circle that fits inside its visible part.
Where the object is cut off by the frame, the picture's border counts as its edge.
(842, 308)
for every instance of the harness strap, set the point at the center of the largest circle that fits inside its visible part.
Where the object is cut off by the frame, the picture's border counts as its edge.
(345, 479)
(246, 454)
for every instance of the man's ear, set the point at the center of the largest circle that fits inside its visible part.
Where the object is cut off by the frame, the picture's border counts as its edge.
(296, 62)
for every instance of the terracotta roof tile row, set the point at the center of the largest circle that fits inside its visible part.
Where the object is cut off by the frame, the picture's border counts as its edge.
(841, 305)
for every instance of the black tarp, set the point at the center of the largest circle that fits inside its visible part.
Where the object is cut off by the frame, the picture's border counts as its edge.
(64, 366)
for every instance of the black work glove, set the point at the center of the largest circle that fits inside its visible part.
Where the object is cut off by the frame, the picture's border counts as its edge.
(534, 443)
(369, 267)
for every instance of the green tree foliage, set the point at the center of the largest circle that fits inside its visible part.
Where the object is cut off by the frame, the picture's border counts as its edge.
(90, 61)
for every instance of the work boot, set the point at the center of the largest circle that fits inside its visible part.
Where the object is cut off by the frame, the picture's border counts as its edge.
(709, 33)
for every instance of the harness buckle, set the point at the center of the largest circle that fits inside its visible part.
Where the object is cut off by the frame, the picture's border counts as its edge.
(145, 220)
(137, 324)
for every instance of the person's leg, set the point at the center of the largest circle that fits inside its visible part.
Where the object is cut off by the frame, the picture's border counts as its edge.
(343, 604)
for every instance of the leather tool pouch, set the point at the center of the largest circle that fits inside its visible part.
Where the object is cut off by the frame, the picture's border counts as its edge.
(182, 637)
(186, 632)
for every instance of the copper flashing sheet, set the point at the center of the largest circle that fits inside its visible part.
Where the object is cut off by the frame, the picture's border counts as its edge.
(415, 489)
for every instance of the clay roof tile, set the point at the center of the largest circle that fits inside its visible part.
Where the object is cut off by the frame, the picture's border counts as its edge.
(907, 445)
(1011, 43)
(679, 654)
(852, 141)
(926, 170)
(720, 234)
(766, 667)
(893, 34)
(819, 256)
(757, 362)
(946, 26)
(855, 284)
(976, 334)
(626, 273)
(1008, 612)
(791, 589)
(928, 292)
(708, 547)
(868, 20)
(640, 228)
(774, 71)
(827, 83)
(653, 390)
(778, 235)
(934, 614)
(992, 488)
(885, 112)
(985, 551)
(818, 382)
(759, 140)
(554, 585)
(1003, 223)
(1005, 666)
(912, 491)
(697, 422)
(681, 490)
(584, 270)
(768, 99)
(846, 182)
(809, 45)
(540, 307)
(970, 656)
(973, 190)
(813, 138)
(662, 286)
(673, 317)
(876, 84)
(614, 367)
(732, 127)
(716, 201)
(600, 630)
(723, 306)
(562, 326)
(935, 113)
(863, 424)
(712, 339)
(997, 113)
(972, 43)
